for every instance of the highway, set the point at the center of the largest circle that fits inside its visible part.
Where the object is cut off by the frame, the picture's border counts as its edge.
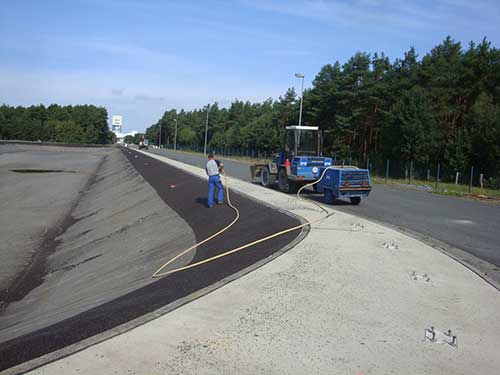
(467, 230)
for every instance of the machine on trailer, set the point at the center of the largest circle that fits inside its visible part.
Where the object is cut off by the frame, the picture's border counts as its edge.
(301, 162)
(298, 164)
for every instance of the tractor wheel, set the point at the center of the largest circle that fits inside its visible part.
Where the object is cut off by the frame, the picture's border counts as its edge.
(355, 200)
(283, 183)
(266, 179)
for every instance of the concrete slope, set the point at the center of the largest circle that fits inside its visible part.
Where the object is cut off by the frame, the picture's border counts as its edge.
(33, 203)
(98, 282)
(119, 231)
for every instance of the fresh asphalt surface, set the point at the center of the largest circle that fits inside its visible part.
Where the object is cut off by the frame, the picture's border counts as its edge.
(186, 194)
(471, 226)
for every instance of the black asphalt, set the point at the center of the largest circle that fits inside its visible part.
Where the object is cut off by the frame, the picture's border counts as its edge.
(188, 199)
(469, 225)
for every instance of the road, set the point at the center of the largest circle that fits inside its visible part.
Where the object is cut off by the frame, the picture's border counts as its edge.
(466, 229)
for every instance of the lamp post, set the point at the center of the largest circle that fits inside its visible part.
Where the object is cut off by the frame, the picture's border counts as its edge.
(175, 135)
(300, 75)
(159, 139)
(206, 132)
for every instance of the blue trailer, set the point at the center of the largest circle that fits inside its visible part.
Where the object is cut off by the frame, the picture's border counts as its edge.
(344, 182)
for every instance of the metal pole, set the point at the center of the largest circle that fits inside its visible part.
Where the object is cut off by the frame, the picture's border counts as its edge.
(206, 132)
(437, 176)
(471, 176)
(175, 136)
(387, 171)
(301, 99)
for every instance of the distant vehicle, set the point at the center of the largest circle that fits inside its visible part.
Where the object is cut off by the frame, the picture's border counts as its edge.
(143, 143)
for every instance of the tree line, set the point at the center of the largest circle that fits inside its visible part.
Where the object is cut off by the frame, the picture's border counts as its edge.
(55, 123)
(443, 108)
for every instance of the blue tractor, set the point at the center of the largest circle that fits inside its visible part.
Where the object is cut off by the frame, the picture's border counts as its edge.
(298, 164)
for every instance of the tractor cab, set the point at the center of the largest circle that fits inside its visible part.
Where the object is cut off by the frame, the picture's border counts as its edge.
(301, 141)
(297, 164)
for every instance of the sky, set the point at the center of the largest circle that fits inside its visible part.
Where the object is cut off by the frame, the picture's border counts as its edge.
(139, 58)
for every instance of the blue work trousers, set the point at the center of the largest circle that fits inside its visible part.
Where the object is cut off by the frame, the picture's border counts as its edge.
(213, 182)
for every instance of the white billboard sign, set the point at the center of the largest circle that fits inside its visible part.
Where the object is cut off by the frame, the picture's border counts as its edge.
(117, 120)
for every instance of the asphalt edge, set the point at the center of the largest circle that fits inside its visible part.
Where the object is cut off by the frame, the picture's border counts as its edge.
(123, 328)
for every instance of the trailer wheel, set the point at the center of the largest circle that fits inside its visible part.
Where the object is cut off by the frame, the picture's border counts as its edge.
(265, 177)
(355, 200)
(329, 198)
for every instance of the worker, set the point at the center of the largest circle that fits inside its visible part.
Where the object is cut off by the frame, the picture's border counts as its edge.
(214, 168)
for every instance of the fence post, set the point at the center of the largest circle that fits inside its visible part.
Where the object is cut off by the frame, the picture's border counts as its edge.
(411, 171)
(471, 176)
(428, 175)
(387, 171)
(456, 178)
(437, 176)
(481, 176)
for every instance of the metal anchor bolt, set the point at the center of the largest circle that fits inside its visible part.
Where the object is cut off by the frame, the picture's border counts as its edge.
(454, 341)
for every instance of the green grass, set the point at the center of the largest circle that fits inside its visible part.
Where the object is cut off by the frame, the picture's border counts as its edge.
(444, 188)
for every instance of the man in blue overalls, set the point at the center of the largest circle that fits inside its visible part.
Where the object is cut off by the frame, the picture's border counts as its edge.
(213, 169)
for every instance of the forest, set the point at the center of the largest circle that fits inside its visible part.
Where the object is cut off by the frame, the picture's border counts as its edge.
(67, 124)
(441, 109)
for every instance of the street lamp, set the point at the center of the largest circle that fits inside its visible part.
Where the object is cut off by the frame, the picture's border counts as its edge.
(159, 139)
(206, 132)
(300, 75)
(175, 136)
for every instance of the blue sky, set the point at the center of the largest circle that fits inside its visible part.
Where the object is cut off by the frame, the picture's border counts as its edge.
(139, 58)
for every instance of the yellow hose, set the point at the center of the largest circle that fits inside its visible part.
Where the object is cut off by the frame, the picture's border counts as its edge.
(159, 273)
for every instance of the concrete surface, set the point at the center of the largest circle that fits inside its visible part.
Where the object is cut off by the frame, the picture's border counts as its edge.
(33, 203)
(466, 229)
(121, 231)
(343, 301)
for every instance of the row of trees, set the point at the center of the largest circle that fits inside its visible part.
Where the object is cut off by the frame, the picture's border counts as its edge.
(68, 124)
(443, 108)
